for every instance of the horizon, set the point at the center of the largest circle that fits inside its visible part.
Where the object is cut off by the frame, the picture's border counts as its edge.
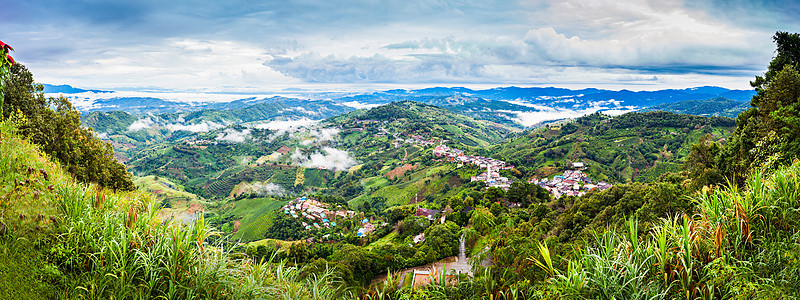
(214, 47)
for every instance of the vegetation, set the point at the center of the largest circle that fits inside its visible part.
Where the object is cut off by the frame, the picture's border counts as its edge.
(633, 146)
(712, 219)
(766, 135)
(54, 125)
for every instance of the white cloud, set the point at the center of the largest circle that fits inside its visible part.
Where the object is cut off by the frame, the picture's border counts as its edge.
(200, 127)
(263, 45)
(234, 136)
(325, 134)
(287, 125)
(551, 113)
(141, 124)
(359, 105)
(268, 188)
(330, 158)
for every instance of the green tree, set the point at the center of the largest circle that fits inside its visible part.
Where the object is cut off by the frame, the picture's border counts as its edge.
(702, 165)
(442, 239)
(482, 219)
(55, 126)
(767, 134)
(355, 258)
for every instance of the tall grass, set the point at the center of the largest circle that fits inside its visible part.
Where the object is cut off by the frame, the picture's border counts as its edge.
(110, 245)
(740, 243)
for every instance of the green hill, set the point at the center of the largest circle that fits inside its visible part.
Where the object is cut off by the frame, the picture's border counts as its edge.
(720, 106)
(413, 118)
(633, 146)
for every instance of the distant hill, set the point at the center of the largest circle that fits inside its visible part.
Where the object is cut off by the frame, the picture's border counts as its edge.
(719, 106)
(636, 146)
(413, 118)
(67, 89)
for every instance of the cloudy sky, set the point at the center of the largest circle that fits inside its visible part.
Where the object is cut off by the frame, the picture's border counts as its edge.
(249, 45)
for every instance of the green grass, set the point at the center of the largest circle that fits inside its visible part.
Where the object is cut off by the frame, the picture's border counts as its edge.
(22, 273)
(385, 240)
(72, 240)
(255, 216)
(161, 188)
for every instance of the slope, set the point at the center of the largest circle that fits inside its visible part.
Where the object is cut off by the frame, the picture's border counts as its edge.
(633, 146)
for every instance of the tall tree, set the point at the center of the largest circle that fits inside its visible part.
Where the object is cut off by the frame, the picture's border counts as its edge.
(55, 125)
(767, 134)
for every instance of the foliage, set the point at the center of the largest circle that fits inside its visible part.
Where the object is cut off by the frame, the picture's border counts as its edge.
(94, 243)
(634, 146)
(767, 134)
(55, 126)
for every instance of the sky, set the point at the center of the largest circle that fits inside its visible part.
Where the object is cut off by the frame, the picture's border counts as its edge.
(259, 46)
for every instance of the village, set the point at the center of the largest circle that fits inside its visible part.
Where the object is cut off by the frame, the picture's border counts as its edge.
(491, 177)
(315, 214)
(571, 183)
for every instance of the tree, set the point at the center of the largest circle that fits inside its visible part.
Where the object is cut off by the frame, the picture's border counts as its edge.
(442, 239)
(767, 134)
(55, 126)
(482, 219)
(701, 163)
(6, 61)
(355, 258)
(299, 251)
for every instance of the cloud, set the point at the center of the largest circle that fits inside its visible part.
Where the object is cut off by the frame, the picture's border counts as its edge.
(268, 188)
(552, 113)
(325, 134)
(234, 136)
(287, 125)
(200, 127)
(141, 124)
(259, 45)
(329, 158)
(155, 122)
(359, 105)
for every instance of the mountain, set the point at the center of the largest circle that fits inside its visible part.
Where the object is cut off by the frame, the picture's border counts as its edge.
(719, 106)
(67, 89)
(414, 118)
(637, 146)
(518, 107)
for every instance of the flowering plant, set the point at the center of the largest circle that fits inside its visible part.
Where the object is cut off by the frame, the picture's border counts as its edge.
(6, 61)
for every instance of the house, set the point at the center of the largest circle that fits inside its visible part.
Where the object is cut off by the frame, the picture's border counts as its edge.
(419, 238)
(426, 213)
(284, 150)
(577, 165)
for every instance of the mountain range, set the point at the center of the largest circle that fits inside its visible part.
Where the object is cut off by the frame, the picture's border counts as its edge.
(511, 106)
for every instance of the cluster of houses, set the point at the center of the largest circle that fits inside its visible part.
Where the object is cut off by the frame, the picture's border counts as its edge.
(314, 213)
(493, 166)
(571, 183)
(414, 140)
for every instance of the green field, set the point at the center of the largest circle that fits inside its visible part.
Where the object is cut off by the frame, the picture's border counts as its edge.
(254, 215)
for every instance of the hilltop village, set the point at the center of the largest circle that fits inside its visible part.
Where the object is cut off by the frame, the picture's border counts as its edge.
(571, 183)
(315, 214)
(491, 177)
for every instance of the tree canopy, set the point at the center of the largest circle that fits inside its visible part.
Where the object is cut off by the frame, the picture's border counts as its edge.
(55, 126)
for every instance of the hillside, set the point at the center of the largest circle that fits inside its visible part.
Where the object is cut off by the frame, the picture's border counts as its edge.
(721, 107)
(633, 146)
(63, 239)
(413, 118)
